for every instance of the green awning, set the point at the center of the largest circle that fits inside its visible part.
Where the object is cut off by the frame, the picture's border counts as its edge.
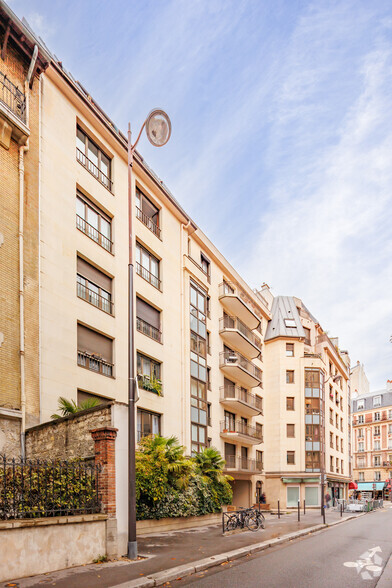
(299, 480)
(369, 486)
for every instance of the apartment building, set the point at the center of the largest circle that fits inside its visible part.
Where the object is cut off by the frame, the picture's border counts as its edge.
(307, 400)
(359, 382)
(372, 439)
(199, 327)
(22, 61)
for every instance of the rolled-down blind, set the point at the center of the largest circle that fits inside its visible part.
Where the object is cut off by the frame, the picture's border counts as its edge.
(94, 275)
(148, 313)
(94, 343)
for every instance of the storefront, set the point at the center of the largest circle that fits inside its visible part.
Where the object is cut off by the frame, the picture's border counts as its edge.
(371, 489)
(300, 489)
(336, 490)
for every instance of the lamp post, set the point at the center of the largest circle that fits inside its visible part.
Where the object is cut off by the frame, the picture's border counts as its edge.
(158, 130)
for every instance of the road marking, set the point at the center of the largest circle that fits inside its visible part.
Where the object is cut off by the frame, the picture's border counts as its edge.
(369, 561)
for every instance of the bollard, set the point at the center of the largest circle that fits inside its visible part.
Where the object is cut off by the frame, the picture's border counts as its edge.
(278, 509)
(324, 514)
(299, 512)
(341, 509)
(304, 507)
(223, 523)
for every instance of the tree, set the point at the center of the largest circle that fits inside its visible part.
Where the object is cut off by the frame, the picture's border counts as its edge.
(67, 407)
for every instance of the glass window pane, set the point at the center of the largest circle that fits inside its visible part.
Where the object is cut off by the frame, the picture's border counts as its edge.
(200, 302)
(155, 424)
(92, 217)
(311, 496)
(105, 228)
(145, 260)
(202, 374)
(138, 254)
(80, 141)
(203, 417)
(92, 153)
(105, 165)
(194, 415)
(194, 369)
(194, 433)
(80, 208)
(194, 323)
(202, 435)
(202, 330)
(193, 297)
(154, 267)
(292, 496)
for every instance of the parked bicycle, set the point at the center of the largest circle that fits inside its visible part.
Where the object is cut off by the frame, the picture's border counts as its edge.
(243, 518)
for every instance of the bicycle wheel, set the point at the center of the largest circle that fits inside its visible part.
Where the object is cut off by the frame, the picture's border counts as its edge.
(231, 523)
(252, 521)
(261, 520)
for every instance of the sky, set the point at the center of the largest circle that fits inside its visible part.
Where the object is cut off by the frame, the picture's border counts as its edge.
(281, 148)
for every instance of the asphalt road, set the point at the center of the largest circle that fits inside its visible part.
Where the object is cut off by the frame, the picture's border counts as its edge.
(352, 554)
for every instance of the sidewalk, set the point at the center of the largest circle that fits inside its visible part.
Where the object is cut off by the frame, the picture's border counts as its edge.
(166, 551)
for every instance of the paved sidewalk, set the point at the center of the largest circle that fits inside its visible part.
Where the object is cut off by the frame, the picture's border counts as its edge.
(165, 551)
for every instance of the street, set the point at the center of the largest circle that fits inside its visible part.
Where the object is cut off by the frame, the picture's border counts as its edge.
(348, 555)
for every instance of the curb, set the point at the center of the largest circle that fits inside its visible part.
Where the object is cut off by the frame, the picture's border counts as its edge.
(179, 572)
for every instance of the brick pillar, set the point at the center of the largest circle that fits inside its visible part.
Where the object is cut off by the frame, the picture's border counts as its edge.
(104, 439)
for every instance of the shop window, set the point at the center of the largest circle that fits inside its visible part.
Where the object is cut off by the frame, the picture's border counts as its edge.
(292, 495)
(311, 495)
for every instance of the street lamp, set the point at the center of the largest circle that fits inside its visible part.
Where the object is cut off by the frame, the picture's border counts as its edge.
(158, 130)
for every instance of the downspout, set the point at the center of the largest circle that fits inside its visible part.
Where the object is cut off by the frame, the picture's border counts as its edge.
(22, 150)
(182, 306)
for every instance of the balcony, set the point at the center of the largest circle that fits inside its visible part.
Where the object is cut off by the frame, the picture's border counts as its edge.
(238, 304)
(148, 276)
(236, 334)
(95, 363)
(94, 234)
(149, 330)
(242, 465)
(147, 220)
(93, 169)
(238, 400)
(12, 113)
(150, 383)
(236, 366)
(239, 431)
(94, 298)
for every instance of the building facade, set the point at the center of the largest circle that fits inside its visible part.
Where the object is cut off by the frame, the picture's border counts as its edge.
(372, 440)
(22, 61)
(358, 381)
(307, 400)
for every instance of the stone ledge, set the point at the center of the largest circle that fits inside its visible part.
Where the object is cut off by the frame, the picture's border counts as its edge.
(46, 521)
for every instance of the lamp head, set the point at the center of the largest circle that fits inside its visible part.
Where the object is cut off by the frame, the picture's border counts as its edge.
(158, 127)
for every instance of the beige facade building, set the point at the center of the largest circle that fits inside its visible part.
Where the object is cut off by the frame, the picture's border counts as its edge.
(22, 61)
(372, 440)
(307, 403)
(359, 383)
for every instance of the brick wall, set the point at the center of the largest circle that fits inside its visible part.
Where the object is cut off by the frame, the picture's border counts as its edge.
(15, 66)
(68, 437)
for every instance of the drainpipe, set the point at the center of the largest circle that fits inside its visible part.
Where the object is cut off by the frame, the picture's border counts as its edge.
(22, 150)
(182, 306)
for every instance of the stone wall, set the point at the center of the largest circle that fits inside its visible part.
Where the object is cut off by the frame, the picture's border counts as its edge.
(9, 437)
(68, 437)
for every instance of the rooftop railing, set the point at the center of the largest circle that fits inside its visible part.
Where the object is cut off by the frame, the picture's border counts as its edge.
(12, 97)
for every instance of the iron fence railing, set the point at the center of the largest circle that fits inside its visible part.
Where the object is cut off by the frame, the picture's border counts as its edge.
(234, 358)
(148, 276)
(147, 220)
(94, 234)
(143, 327)
(94, 298)
(95, 363)
(36, 488)
(232, 426)
(234, 323)
(93, 169)
(12, 97)
(237, 393)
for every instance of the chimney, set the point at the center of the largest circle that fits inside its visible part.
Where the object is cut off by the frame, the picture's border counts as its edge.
(389, 385)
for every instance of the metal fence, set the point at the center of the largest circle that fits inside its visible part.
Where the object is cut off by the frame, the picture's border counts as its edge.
(12, 97)
(36, 488)
(359, 505)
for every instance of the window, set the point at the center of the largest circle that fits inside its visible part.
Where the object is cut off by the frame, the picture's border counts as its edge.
(259, 460)
(95, 351)
(94, 286)
(376, 430)
(377, 476)
(289, 376)
(377, 416)
(200, 373)
(337, 421)
(83, 396)
(147, 212)
(312, 461)
(148, 423)
(337, 465)
(361, 446)
(341, 424)
(289, 349)
(331, 463)
(290, 323)
(93, 158)
(291, 457)
(199, 414)
(205, 265)
(307, 336)
(390, 414)
(330, 368)
(292, 495)
(376, 446)
(148, 320)
(341, 467)
(389, 443)
(208, 343)
(290, 430)
(361, 476)
(361, 419)
(147, 266)
(360, 432)
(290, 403)
(376, 400)
(331, 416)
(331, 440)
(337, 443)
(149, 374)
(93, 222)
(259, 431)
(311, 495)
(390, 429)
(377, 460)
(341, 445)
(360, 404)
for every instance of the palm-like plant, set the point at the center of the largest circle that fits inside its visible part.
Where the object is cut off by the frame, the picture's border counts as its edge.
(210, 464)
(67, 407)
(179, 466)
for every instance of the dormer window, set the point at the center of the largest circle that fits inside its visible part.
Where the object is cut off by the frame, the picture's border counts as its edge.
(377, 401)
(290, 323)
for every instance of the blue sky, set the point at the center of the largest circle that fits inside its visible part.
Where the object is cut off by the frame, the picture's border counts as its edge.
(282, 136)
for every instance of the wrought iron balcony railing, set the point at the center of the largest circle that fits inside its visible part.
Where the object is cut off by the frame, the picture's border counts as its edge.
(12, 97)
(93, 233)
(143, 327)
(237, 393)
(147, 220)
(231, 426)
(232, 322)
(234, 358)
(148, 276)
(93, 169)
(95, 364)
(94, 298)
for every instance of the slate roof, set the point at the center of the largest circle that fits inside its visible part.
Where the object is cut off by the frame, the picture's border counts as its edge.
(386, 400)
(284, 314)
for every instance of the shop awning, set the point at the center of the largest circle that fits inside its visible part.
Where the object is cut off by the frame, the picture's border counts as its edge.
(369, 486)
(353, 486)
